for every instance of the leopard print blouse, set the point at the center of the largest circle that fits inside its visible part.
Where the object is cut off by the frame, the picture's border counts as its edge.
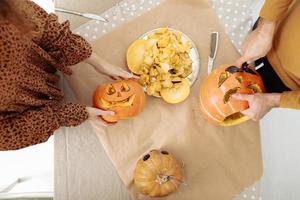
(31, 104)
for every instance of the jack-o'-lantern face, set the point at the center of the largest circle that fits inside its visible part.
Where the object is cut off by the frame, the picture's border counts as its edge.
(215, 98)
(126, 98)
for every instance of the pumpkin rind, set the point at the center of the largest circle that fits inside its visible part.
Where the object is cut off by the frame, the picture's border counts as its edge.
(215, 93)
(159, 175)
(126, 98)
(178, 93)
(135, 56)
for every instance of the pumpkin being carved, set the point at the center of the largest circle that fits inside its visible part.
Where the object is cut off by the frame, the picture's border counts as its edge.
(215, 93)
(158, 174)
(126, 98)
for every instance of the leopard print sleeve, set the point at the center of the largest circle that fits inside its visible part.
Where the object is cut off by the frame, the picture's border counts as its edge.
(35, 126)
(56, 38)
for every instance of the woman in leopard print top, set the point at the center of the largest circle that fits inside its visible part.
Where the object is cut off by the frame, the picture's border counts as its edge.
(31, 105)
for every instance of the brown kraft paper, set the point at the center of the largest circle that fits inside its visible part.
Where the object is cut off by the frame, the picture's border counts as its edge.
(218, 162)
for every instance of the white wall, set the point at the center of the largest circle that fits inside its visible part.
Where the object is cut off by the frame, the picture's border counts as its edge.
(280, 133)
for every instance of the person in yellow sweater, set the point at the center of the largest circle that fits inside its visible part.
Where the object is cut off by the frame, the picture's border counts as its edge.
(275, 42)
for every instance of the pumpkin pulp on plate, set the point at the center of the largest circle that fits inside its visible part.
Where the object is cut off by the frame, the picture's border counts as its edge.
(159, 58)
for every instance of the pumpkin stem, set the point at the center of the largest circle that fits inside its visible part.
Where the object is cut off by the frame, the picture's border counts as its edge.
(161, 179)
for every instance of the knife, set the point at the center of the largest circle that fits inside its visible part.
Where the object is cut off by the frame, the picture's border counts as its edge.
(213, 50)
(86, 15)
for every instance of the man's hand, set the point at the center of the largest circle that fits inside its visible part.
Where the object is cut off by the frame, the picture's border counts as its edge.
(258, 43)
(259, 104)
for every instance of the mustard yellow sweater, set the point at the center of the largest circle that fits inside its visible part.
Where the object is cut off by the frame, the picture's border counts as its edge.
(285, 53)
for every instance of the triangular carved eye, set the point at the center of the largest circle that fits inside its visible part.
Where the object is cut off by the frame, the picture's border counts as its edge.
(111, 90)
(223, 77)
(125, 88)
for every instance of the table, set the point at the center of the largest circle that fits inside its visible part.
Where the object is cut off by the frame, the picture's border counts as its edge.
(75, 150)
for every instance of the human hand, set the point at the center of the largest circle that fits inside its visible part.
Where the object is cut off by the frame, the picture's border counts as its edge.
(114, 72)
(259, 104)
(103, 67)
(94, 114)
(258, 43)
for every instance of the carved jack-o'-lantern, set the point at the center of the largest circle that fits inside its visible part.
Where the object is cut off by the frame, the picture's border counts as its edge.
(158, 174)
(126, 98)
(215, 93)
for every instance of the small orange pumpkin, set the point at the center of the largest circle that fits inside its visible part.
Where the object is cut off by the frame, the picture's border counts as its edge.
(215, 93)
(126, 98)
(158, 174)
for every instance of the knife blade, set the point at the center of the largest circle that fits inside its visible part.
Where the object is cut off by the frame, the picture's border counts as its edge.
(214, 42)
(86, 15)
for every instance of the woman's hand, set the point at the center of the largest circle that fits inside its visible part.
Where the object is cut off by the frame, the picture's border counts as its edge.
(108, 69)
(259, 104)
(258, 43)
(95, 112)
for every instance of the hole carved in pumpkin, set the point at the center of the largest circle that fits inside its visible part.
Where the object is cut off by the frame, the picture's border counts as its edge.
(165, 152)
(255, 88)
(233, 117)
(229, 93)
(239, 79)
(111, 90)
(223, 77)
(146, 157)
(125, 88)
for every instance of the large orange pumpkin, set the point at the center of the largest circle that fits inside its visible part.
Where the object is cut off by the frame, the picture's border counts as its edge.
(126, 98)
(158, 174)
(215, 93)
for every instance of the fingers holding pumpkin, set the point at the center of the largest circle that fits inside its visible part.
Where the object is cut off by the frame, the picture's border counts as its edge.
(243, 97)
(94, 112)
(259, 104)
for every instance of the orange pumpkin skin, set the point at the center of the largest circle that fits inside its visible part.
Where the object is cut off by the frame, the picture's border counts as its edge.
(126, 98)
(158, 174)
(213, 90)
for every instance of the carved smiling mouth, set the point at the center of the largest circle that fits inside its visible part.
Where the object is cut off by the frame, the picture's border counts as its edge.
(124, 103)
